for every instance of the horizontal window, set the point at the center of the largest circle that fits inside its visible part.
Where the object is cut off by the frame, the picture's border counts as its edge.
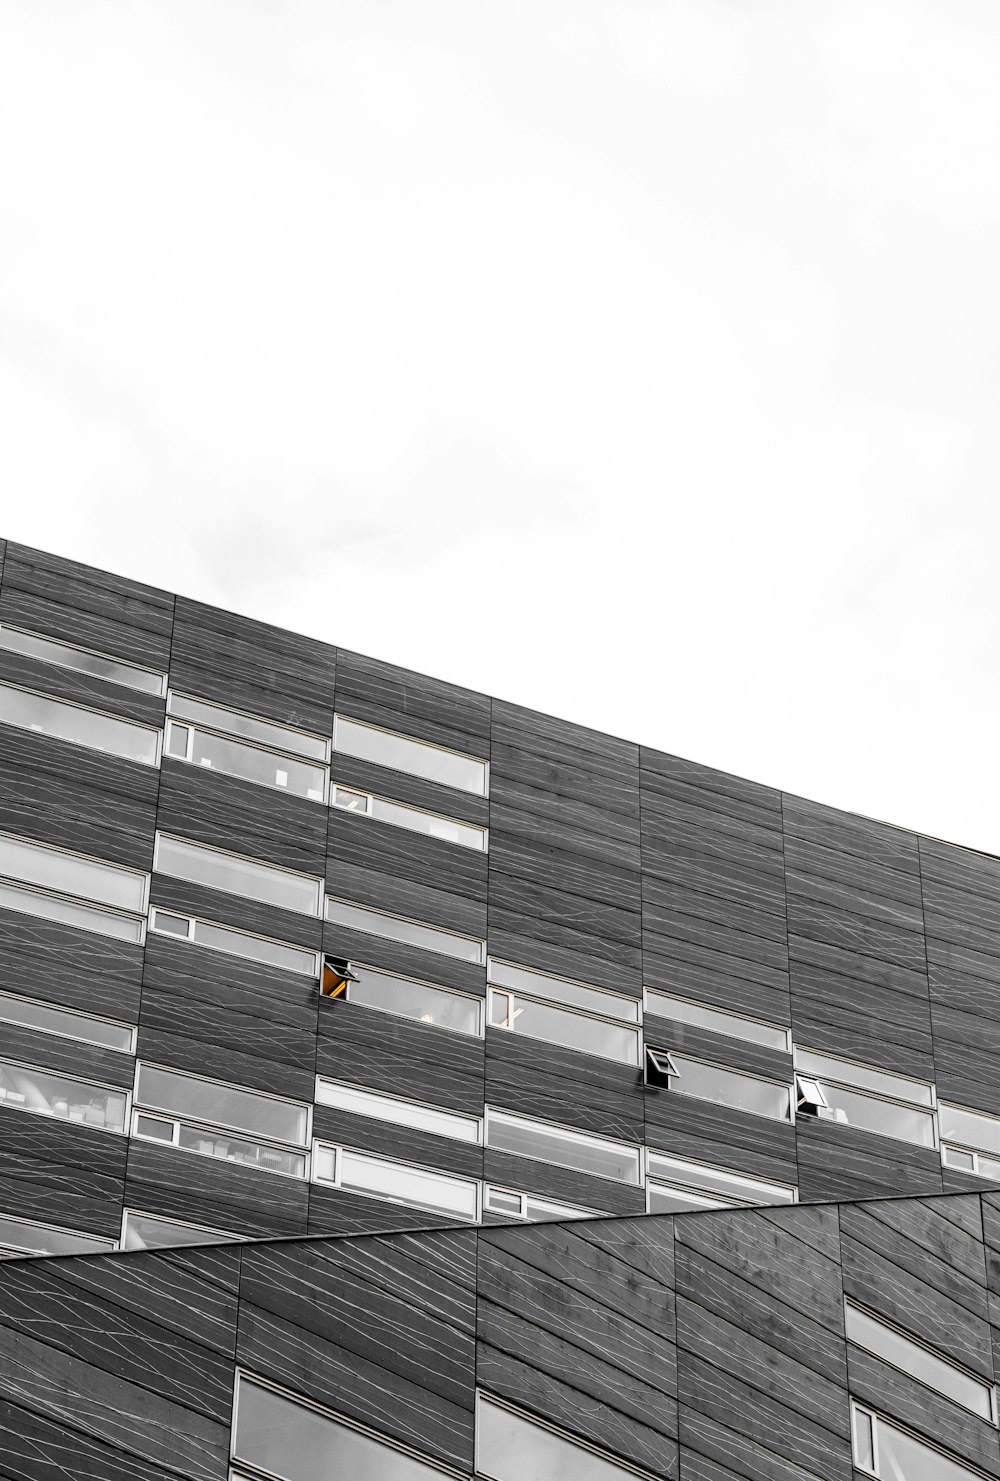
(235, 874)
(196, 1099)
(68, 1024)
(418, 1000)
(730, 1088)
(399, 928)
(521, 1015)
(98, 665)
(71, 913)
(416, 758)
(529, 1208)
(560, 990)
(734, 1025)
(895, 1347)
(295, 1441)
(27, 862)
(974, 1162)
(884, 1450)
(681, 1184)
(29, 711)
(249, 727)
(383, 810)
(235, 943)
(563, 1146)
(249, 763)
(152, 1232)
(863, 1077)
(24, 1088)
(511, 1447)
(24, 1236)
(817, 1095)
(399, 1182)
(969, 1129)
(207, 1141)
(398, 1112)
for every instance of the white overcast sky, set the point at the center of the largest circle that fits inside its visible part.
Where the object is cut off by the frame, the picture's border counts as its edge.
(638, 362)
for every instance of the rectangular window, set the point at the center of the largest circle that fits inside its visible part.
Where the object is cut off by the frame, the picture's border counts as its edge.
(733, 1025)
(97, 665)
(530, 1209)
(398, 1182)
(235, 943)
(972, 1162)
(883, 1450)
(399, 928)
(235, 874)
(211, 1101)
(25, 1088)
(296, 1441)
(398, 1112)
(683, 1185)
(597, 1155)
(730, 1088)
(433, 825)
(207, 1141)
(597, 1000)
(152, 1232)
(536, 1020)
(25, 1237)
(858, 1095)
(67, 1023)
(970, 1129)
(30, 711)
(26, 862)
(249, 727)
(511, 1447)
(249, 763)
(418, 1000)
(416, 758)
(71, 913)
(937, 1372)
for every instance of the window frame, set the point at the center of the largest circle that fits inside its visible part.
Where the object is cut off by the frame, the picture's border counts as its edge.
(722, 1015)
(413, 740)
(143, 875)
(674, 1079)
(117, 1090)
(936, 1359)
(830, 1110)
(340, 1148)
(191, 939)
(390, 915)
(139, 668)
(223, 1126)
(513, 998)
(567, 1133)
(372, 800)
(364, 1091)
(131, 1028)
(223, 1234)
(210, 849)
(260, 742)
(674, 1177)
(466, 997)
(156, 732)
(172, 725)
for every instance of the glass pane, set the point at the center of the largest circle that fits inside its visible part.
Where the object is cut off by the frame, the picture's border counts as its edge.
(313, 747)
(350, 800)
(864, 1076)
(969, 1129)
(557, 1026)
(111, 669)
(152, 1128)
(23, 1088)
(538, 1210)
(729, 1088)
(220, 1105)
(399, 1112)
(902, 1458)
(429, 823)
(83, 727)
(452, 769)
(170, 925)
(735, 1187)
(752, 1030)
(886, 1117)
(885, 1342)
(65, 1022)
(396, 928)
(663, 1199)
(237, 875)
(237, 1149)
(87, 918)
(55, 869)
(42, 1239)
(145, 1232)
(864, 1445)
(282, 1438)
(177, 740)
(558, 990)
(415, 1000)
(256, 948)
(234, 758)
(598, 1155)
(954, 1157)
(413, 1185)
(511, 1448)
(499, 1201)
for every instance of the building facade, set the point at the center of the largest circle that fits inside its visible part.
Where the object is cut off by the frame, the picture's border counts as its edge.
(477, 1025)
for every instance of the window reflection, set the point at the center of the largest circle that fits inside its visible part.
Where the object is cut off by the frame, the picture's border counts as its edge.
(24, 1088)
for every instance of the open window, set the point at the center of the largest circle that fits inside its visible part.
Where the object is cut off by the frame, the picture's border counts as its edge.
(337, 975)
(809, 1097)
(660, 1067)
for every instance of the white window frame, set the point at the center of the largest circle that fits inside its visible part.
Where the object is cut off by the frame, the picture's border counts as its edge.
(681, 1173)
(722, 1016)
(569, 1134)
(76, 1080)
(206, 848)
(416, 982)
(78, 1012)
(173, 724)
(513, 998)
(406, 920)
(415, 741)
(71, 704)
(253, 741)
(214, 1129)
(371, 799)
(193, 921)
(339, 1148)
(94, 653)
(325, 1083)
